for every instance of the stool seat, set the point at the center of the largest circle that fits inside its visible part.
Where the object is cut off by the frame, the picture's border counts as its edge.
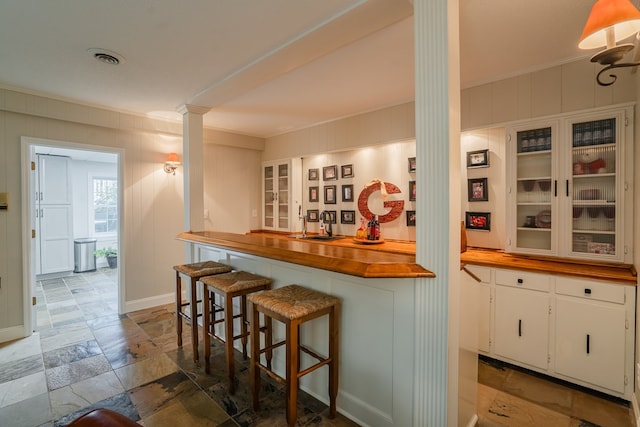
(229, 286)
(201, 269)
(193, 272)
(294, 305)
(293, 301)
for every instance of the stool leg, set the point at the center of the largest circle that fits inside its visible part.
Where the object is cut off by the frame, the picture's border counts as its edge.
(268, 339)
(243, 325)
(291, 379)
(334, 340)
(206, 323)
(228, 340)
(194, 319)
(179, 308)
(254, 372)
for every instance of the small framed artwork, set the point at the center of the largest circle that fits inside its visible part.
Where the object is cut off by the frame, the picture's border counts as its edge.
(312, 215)
(331, 216)
(412, 164)
(478, 221)
(330, 173)
(313, 194)
(411, 218)
(478, 191)
(347, 193)
(347, 171)
(314, 174)
(347, 217)
(412, 191)
(330, 194)
(478, 159)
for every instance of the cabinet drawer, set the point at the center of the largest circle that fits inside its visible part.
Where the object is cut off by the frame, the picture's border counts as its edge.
(519, 279)
(591, 290)
(483, 273)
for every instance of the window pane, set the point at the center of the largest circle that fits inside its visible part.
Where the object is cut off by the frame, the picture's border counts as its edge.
(105, 206)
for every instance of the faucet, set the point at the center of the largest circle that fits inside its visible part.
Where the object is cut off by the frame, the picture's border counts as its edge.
(303, 218)
(323, 218)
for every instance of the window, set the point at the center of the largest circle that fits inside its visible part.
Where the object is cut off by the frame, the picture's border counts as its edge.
(105, 205)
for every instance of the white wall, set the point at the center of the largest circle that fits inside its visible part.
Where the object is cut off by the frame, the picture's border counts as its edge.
(493, 140)
(153, 200)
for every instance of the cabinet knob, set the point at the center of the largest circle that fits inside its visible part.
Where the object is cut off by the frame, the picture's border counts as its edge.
(520, 281)
(587, 291)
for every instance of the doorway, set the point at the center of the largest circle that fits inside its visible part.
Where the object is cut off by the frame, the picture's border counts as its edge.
(73, 213)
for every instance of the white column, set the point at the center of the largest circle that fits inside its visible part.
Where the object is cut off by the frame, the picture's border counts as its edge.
(193, 154)
(437, 95)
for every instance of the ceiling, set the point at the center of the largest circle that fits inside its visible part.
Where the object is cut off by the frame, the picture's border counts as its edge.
(265, 67)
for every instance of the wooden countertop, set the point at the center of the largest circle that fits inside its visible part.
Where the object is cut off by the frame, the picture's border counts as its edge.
(620, 273)
(390, 259)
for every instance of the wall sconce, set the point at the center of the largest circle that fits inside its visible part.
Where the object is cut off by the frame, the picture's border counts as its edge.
(171, 163)
(609, 22)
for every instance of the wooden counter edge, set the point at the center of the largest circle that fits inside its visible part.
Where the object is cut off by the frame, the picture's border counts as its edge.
(620, 273)
(353, 267)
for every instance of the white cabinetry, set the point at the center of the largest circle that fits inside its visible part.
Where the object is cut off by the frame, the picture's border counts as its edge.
(569, 185)
(592, 319)
(54, 215)
(579, 330)
(281, 195)
(522, 317)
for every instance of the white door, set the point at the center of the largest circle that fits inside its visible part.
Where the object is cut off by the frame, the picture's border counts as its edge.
(522, 325)
(56, 238)
(54, 180)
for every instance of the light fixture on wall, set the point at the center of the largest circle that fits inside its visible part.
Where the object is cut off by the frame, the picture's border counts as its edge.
(609, 22)
(171, 163)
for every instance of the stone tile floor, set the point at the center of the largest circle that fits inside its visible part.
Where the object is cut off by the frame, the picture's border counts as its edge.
(510, 396)
(84, 355)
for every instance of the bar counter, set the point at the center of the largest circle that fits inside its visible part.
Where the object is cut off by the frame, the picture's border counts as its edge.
(391, 259)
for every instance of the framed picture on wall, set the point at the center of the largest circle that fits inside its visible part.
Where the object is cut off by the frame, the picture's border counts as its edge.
(347, 193)
(314, 174)
(312, 215)
(347, 171)
(478, 191)
(347, 217)
(313, 194)
(412, 164)
(478, 221)
(478, 159)
(330, 194)
(330, 173)
(412, 191)
(411, 218)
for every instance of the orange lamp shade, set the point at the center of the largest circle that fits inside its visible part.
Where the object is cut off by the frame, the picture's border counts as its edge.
(619, 18)
(173, 158)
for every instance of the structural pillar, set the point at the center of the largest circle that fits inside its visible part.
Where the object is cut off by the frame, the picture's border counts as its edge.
(193, 155)
(437, 93)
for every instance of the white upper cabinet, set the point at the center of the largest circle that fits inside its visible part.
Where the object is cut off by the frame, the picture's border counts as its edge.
(281, 195)
(568, 185)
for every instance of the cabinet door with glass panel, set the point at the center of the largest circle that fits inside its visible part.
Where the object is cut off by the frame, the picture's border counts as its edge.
(281, 189)
(532, 187)
(595, 184)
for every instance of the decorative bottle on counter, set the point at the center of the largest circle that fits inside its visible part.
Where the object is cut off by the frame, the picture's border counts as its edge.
(376, 228)
(371, 231)
(361, 233)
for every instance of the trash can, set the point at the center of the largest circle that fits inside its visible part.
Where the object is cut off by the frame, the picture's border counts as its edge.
(84, 257)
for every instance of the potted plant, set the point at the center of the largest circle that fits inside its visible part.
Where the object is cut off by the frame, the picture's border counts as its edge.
(110, 254)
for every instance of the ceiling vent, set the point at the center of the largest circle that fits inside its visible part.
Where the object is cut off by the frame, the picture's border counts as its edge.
(106, 56)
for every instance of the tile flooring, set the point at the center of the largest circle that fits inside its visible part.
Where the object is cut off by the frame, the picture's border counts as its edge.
(85, 355)
(509, 396)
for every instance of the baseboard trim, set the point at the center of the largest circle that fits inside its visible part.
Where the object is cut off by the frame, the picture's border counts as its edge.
(12, 333)
(144, 303)
(636, 408)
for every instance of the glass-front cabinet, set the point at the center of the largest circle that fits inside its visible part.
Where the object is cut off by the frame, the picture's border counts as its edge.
(569, 185)
(281, 194)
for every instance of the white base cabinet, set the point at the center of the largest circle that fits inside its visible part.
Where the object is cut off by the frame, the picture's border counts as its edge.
(578, 330)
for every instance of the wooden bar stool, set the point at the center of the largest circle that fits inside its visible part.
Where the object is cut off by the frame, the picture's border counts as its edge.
(293, 305)
(229, 286)
(193, 272)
